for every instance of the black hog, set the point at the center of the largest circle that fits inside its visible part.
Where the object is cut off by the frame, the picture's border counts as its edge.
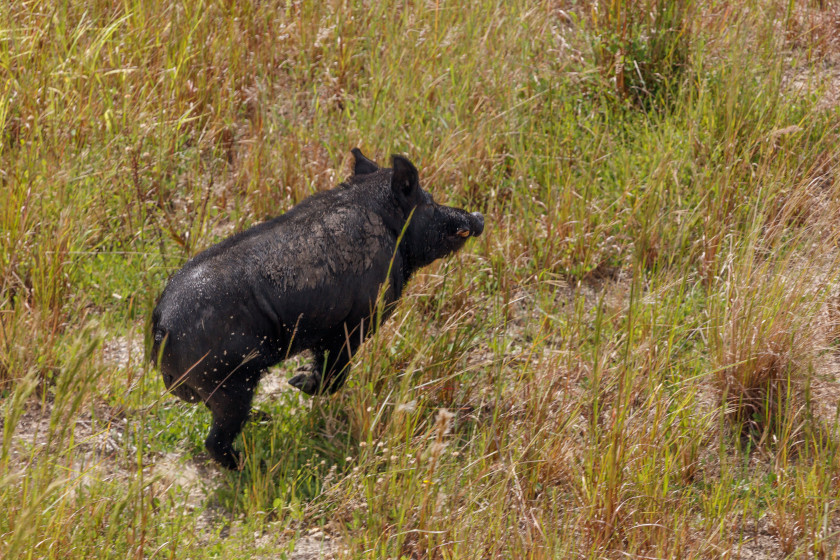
(307, 280)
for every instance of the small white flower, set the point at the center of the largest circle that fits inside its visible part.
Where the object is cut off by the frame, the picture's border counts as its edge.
(410, 406)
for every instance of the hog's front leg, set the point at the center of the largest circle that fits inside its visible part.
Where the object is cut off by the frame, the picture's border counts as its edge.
(307, 382)
(330, 368)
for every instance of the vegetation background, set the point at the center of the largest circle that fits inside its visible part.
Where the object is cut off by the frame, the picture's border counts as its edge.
(638, 359)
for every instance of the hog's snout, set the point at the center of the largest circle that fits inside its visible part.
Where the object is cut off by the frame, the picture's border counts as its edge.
(476, 224)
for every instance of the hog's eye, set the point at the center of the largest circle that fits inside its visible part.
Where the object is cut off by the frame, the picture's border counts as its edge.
(460, 230)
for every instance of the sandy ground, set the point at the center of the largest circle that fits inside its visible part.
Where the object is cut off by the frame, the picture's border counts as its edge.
(101, 455)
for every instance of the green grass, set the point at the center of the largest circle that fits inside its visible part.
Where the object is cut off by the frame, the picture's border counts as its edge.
(638, 358)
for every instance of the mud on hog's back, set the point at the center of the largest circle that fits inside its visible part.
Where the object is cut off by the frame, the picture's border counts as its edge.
(306, 280)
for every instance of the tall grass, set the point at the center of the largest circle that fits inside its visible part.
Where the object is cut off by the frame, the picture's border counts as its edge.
(637, 359)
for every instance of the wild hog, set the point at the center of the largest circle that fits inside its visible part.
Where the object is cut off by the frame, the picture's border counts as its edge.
(306, 280)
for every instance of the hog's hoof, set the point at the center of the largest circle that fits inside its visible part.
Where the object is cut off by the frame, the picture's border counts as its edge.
(232, 461)
(228, 458)
(306, 382)
(260, 416)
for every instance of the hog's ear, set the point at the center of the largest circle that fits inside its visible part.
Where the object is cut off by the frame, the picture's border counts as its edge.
(404, 182)
(363, 165)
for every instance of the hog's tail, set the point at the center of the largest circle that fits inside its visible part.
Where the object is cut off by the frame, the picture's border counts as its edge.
(172, 379)
(158, 336)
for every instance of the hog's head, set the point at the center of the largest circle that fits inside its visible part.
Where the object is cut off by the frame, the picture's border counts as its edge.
(434, 230)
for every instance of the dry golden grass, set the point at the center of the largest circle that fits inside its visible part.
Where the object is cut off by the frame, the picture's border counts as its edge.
(638, 359)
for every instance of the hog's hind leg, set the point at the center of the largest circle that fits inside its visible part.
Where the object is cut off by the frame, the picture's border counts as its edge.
(230, 404)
